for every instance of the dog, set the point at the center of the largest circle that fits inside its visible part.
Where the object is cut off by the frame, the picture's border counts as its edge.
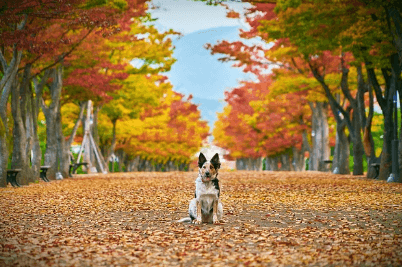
(206, 207)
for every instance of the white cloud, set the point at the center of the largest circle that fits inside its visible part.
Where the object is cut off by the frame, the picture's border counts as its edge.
(191, 16)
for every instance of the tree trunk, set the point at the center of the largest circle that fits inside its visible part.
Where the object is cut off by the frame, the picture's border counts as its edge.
(63, 150)
(258, 164)
(320, 148)
(30, 131)
(340, 164)
(298, 160)
(386, 157)
(18, 103)
(239, 164)
(272, 162)
(3, 154)
(357, 121)
(368, 141)
(121, 156)
(400, 136)
(6, 82)
(112, 146)
(285, 162)
(36, 102)
(51, 154)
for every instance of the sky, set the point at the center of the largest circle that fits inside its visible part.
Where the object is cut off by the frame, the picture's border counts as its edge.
(196, 71)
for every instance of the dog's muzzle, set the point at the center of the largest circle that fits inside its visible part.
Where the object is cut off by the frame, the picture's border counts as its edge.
(207, 177)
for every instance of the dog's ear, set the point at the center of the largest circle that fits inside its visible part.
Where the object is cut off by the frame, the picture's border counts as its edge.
(201, 160)
(215, 161)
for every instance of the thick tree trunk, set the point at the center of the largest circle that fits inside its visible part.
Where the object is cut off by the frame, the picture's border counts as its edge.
(340, 164)
(298, 160)
(6, 82)
(63, 150)
(51, 154)
(3, 155)
(386, 156)
(400, 135)
(121, 156)
(368, 141)
(358, 149)
(257, 164)
(286, 164)
(320, 148)
(249, 164)
(272, 163)
(36, 149)
(31, 133)
(239, 164)
(20, 159)
(112, 146)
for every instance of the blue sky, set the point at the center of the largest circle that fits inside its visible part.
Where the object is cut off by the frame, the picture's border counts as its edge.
(196, 71)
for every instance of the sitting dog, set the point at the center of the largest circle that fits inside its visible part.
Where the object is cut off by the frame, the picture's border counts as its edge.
(206, 207)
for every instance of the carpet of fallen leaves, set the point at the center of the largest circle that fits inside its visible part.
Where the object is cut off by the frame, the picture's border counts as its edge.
(270, 219)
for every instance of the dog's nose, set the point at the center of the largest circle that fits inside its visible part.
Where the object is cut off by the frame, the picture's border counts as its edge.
(207, 174)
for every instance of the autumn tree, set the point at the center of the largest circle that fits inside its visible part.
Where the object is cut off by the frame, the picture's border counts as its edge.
(166, 136)
(255, 59)
(34, 33)
(364, 30)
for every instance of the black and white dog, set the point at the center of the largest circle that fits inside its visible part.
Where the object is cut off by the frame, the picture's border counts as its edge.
(206, 207)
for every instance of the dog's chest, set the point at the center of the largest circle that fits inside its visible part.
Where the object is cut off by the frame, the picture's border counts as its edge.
(206, 189)
(207, 194)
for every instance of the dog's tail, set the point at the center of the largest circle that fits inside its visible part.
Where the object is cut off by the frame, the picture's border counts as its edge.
(186, 219)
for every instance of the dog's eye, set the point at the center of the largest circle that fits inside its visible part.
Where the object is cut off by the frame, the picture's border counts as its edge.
(212, 167)
(204, 167)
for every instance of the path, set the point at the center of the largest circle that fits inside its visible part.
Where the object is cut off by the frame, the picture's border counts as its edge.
(271, 219)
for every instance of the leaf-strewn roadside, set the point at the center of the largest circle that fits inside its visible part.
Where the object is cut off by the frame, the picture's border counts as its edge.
(271, 219)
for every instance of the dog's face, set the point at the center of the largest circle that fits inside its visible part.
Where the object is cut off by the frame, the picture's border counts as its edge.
(208, 169)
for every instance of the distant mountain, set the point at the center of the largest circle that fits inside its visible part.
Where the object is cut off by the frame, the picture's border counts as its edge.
(199, 73)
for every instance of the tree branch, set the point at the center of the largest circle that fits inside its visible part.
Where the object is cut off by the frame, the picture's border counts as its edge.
(3, 61)
(376, 86)
(332, 101)
(61, 58)
(345, 84)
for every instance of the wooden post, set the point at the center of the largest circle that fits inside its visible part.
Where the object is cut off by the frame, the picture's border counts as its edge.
(88, 145)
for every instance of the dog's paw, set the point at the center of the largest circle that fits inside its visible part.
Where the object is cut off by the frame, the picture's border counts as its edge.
(215, 219)
(197, 221)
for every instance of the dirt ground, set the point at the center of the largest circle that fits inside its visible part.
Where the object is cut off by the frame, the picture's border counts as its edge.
(270, 219)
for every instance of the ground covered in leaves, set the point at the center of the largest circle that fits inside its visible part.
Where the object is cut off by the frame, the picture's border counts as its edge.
(270, 219)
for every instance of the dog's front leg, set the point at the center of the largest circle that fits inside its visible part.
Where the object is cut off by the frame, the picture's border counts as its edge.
(214, 212)
(199, 216)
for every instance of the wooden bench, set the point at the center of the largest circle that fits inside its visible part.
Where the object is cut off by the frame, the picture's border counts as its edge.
(327, 161)
(43, 170)
(376, 166)
(75, 166)
(12, 177)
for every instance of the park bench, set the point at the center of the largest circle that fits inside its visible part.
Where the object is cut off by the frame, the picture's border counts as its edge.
(376, 166)
(43, 170)
(75, 166)
(327, 161)
(12, 177)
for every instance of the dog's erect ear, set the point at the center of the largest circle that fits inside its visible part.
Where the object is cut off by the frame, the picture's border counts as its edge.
(201, 160)
(215, 161)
